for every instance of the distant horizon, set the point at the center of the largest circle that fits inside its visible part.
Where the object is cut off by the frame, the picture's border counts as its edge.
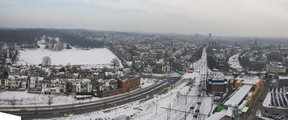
(221, 17)
(148, 32)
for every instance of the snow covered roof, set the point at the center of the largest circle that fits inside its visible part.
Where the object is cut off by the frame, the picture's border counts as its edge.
(37, 78)
(248, 79)
(10, 116)
(128, 77)
(95, 73)
(245, 109)
(188, 76)
(82, 96)
(283, 77)
(238, 96)
(230, 111)
(216, 116)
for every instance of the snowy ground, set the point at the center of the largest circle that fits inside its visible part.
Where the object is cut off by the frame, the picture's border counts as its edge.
(147, 110)
(153, 109)
(145, 82)
(258, 113)
(234, 62)
(73, 56)
(27, 99)
(267, 100)
(174, 74)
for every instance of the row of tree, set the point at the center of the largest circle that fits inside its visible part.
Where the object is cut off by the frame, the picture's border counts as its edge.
(27, 36)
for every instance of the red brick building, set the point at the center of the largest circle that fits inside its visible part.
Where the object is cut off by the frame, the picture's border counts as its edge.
(128, 83)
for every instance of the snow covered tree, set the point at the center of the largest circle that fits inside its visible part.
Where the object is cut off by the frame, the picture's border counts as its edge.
(46, 61)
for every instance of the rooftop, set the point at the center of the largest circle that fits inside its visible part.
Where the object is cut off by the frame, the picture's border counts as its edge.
(248, 79)
(128, 77)
(216, 116)
(238, 96)
(283, 77)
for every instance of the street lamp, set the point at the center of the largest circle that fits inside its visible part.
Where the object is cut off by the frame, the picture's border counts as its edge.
(115, 112)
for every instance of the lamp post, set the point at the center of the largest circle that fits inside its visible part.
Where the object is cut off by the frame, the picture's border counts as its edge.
(115, 112)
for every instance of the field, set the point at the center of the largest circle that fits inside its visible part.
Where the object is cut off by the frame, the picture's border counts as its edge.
(73, 56)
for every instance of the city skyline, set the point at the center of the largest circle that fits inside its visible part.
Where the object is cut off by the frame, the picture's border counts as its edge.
(244, 18)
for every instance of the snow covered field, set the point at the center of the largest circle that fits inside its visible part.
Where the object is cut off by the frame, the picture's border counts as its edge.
(73, 56)
(234, 62)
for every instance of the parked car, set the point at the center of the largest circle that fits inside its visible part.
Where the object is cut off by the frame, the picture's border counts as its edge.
(265, 114)
(275, 114)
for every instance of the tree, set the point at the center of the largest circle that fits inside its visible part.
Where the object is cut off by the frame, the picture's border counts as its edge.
(115, 63)
(62, 69)
(46, 61)
(68, 87)
(49, 100)
(68, 46)
(13, 54)
(13, 102)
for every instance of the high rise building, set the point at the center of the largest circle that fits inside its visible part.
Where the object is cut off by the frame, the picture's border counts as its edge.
(210, 36)
(256, 41)
(196, 36)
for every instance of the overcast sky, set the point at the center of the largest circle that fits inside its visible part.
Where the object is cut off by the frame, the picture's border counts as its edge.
(219, 17)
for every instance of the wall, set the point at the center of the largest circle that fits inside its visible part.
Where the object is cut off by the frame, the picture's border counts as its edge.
(130, 84)
(111, 93)
(218, 88)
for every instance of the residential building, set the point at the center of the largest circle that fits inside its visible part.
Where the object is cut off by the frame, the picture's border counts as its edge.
(129, 82)
(275, 67)
(283, 81)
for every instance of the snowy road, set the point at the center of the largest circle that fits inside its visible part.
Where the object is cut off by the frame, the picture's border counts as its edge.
(234, 62)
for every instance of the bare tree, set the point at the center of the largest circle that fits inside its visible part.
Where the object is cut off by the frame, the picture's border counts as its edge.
(46, 61)
(13, 101)
(115, 63)
(49, 100)
(14, 54)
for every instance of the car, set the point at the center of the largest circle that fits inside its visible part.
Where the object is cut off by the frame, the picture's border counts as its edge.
(66, 115)
(265, 114)
(24, 109)
(275, 114)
